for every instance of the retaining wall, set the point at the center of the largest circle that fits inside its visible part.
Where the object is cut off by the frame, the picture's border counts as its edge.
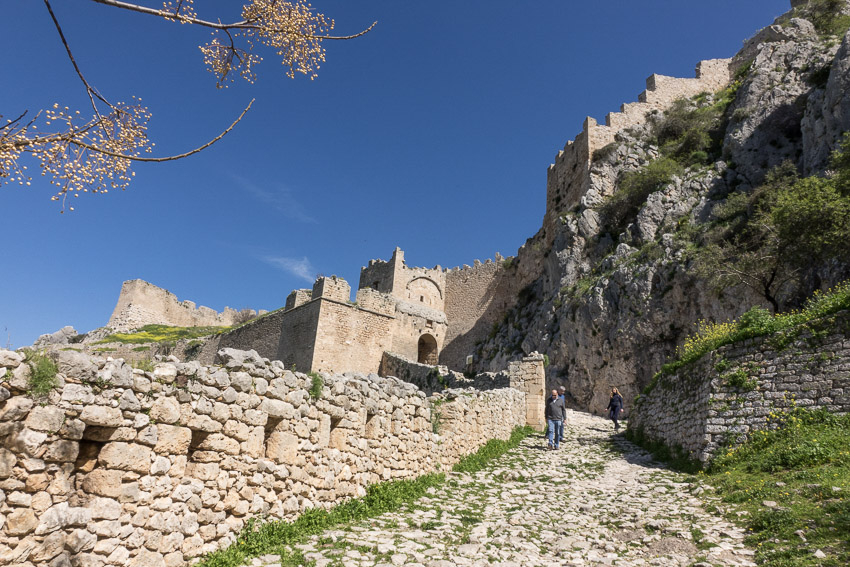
(700, 410)
(117, 466)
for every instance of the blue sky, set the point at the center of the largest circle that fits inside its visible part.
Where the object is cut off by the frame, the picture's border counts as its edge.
(433, 133)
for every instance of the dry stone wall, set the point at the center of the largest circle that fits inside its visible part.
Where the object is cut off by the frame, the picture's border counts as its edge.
(117, 466)
(731, 392)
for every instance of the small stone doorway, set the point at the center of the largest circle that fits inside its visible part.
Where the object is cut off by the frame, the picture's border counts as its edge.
(427, 350)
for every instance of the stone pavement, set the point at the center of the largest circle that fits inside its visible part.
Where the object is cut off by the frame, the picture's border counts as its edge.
(599, 500)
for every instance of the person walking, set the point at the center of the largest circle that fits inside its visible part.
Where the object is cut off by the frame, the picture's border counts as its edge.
(562, 393)
(615, 406)
(555, 419)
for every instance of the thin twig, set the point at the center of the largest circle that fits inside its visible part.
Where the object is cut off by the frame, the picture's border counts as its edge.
(166, 158)
(219, 26)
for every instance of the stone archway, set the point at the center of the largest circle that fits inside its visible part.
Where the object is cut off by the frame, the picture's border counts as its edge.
(427, 350)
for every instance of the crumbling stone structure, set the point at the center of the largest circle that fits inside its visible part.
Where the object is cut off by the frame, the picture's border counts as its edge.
(728, 393)
(118, 466)
(141, 303)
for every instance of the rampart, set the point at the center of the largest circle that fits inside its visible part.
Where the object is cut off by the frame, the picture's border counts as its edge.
(729, 393)
(117, 466)
(569, 177)
(477, 296)
(141, 303)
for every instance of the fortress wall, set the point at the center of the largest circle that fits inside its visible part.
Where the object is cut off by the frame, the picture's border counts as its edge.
(476, 297)
(123, 467)
(261, 334)
(568, 177)
(348, 337)
(411, 323)
(298, 334)
(141, 303)
(698, 410)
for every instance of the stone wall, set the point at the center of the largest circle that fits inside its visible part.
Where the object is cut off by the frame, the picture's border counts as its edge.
(526, 375)
(141, 303)
(476, 297)
(261, 334)
(117, 466)
(699, 410)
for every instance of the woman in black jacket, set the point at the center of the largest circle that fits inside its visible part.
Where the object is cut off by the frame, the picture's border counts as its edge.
(615, 406)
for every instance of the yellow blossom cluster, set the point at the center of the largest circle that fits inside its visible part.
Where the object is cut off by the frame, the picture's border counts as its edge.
(707, 336)
(293, 29)
(80, 157)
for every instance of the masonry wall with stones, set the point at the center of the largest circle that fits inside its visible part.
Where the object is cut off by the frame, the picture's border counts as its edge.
(141, 303)
(117, 466)
(700, 409)
(526, 375)
(476, 298)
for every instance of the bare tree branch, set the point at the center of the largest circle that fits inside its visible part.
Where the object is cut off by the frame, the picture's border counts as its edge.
(243, 24)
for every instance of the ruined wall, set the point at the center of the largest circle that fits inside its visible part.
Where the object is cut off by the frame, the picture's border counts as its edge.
(123, 467)
(141, 303)
(476, 298)
(569, 177)
(699, 410)
(261, 334)
(526, 375)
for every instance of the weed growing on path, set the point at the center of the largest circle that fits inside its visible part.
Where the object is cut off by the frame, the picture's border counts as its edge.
(794, 484)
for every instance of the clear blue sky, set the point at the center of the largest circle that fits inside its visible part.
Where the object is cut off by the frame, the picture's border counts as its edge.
(432, 133)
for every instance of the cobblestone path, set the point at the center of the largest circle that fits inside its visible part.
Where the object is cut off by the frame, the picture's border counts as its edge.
(599, 500)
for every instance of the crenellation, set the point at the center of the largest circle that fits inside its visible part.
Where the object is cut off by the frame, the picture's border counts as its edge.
(568, 177)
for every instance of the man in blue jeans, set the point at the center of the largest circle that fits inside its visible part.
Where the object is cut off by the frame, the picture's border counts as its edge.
(555, 410)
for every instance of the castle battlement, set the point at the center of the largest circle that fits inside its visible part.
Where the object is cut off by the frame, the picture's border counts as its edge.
(568, 178)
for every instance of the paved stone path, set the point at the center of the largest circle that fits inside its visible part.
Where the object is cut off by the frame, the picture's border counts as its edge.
(599, 500)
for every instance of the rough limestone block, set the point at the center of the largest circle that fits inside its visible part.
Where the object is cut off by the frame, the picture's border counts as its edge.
(62, 451)
(61, 516)
(7, 461)
(172, 440)
(102, 416)
(282, 447)
(104, 508)
(219, 443)
(126, 456)
(45, 418)
(202, 471)
(16, 409)
(165, 410)
(10, 359)
(103, 482)
(75, 365)
(21, 522)
(277, 408)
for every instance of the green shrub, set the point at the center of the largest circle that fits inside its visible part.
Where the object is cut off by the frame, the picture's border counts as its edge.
(317, 383)
(145, 364)
(825, 15)
(42, 373)
(622, 207)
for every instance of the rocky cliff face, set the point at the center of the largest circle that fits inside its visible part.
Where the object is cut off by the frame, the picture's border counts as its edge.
(610, 306)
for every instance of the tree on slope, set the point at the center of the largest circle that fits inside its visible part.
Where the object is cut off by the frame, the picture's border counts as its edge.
(94, 155)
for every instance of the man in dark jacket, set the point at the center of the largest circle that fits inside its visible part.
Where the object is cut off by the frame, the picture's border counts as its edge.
(562, 393)
(555, 410)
